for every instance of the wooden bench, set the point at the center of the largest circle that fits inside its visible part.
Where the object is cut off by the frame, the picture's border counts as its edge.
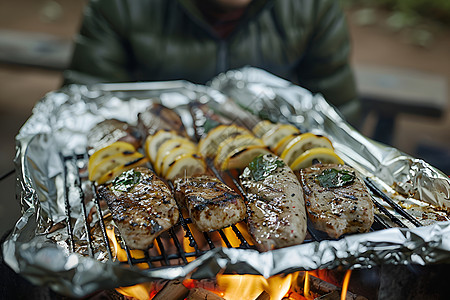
(388, 92)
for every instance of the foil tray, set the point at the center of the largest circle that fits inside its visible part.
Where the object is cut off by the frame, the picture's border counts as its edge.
(59, 124)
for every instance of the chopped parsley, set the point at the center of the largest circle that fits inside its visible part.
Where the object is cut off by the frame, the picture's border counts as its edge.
(331, 178)
(126, 181)
(260, 168)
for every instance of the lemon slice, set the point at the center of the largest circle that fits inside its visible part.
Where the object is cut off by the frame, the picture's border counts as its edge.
(122, 168)
(170, 158)
(300, 144)
(186, 165)
(109, 163)
(208, 146)
(277, 133)
(323, 155)
(232, 143)
(153, 142)
(242, 156)
(169, 145)
(262, 127)
(114, 148)
(281, 145)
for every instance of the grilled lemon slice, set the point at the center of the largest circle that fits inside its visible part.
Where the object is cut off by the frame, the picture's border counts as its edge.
(281, 145)
(170, 158)
(172, 144)
(300, 144)
(240, 158)
(262, 127)
(232, 143)
(208, 146)
(109, 163)
(277, 133)
(322, 155)
(153, 142)
(114, 148)
(186, 165)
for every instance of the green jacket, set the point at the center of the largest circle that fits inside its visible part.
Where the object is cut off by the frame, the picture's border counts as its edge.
(304, 41)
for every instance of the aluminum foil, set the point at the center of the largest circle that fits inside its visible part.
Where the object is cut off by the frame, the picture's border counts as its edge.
(38, 247)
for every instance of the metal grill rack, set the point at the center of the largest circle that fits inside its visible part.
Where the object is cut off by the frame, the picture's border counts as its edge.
(75, 167)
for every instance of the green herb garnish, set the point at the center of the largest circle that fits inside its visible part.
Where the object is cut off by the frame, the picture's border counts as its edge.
(330, 178)
(126, 181)
(260, 168)
(210, 124)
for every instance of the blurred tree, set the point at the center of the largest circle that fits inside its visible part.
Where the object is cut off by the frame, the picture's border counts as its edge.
(436, 10)
(422, 19)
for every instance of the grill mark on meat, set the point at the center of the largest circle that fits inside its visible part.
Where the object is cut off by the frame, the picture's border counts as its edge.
(200, 203)
(336, 210)
(211, 204)
(143, 212)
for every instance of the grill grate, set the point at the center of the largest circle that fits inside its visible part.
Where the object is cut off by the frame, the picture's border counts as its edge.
(168, 250)
(394, 205)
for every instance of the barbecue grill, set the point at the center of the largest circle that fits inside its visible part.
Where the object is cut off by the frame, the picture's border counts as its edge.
(73, 227)
(76, 164)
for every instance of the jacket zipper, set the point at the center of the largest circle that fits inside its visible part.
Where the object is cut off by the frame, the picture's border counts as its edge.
(222, 57)
(222, 52)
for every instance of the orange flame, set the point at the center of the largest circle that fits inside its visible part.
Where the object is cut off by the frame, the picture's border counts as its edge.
(186, 244)
(230, 287)
(306, 286)
(278, 286)
(138, 291)
(242, 227)
(345, 284)
(234, 241)
(240, 286)
(120, 254)
(251, 286)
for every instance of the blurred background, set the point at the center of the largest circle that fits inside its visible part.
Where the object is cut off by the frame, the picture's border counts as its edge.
(401, 55)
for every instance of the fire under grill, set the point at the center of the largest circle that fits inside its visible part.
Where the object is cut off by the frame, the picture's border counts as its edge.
(182, 243)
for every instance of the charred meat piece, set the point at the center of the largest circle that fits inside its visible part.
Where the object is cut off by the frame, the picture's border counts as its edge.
(211, 204)
(276, 214)
(158, 117)
(141, 205)
(337, 201)
(112, 130)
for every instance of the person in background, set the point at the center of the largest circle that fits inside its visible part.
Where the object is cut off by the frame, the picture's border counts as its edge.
(303, 41)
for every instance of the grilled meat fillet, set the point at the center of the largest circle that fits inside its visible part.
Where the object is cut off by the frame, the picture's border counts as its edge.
(112, 130)
(275, 207)
(337, 201)
(141, 205)
(211, 204)
(158, 117)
